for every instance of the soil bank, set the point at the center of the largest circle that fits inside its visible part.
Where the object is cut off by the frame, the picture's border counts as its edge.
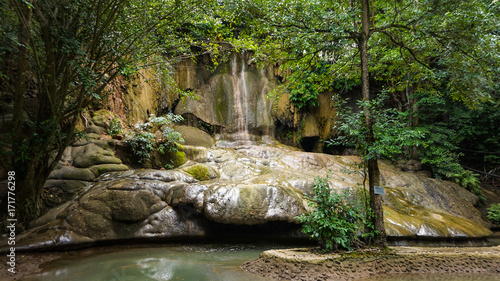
(302, 264)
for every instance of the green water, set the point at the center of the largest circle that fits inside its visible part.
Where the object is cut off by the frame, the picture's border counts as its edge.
(207, 262)
(174, 262)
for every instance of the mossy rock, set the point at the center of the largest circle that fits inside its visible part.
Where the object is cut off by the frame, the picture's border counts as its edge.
(201, 172)
(169, 159)
(106, 168)
(194, 136)
(72, 173)
(93, 129)
(131, 206)
(91, 154)
(102, 118)
(178, 158)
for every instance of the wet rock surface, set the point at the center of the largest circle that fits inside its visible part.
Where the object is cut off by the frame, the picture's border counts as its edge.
(80, 165)
(244, 185)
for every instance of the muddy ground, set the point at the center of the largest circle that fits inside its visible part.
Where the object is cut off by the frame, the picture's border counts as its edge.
(301, 264)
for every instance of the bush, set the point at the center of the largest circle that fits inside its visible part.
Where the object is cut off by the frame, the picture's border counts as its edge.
(336, 219)
(170, 139)
(494, 213)
(142, 145)
(115, 127)
(143, 142)
(471, 182)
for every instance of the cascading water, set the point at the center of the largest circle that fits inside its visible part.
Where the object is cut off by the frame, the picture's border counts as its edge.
(240, 95)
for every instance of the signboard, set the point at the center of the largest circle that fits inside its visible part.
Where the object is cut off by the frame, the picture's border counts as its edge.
(379, 190)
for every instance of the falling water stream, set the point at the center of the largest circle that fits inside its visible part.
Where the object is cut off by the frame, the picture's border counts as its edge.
(240, 95)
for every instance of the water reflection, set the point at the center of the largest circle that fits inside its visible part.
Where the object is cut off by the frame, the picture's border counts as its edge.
(145, 264)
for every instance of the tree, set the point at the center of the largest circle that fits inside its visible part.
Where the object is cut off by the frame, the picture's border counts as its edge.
(62, 56)
(445, 46)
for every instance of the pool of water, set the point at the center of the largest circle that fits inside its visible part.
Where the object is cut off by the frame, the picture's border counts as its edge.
(214, 262)
(195, 262)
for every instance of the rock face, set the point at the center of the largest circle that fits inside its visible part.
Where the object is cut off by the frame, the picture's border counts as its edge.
(80, 165)
(245, 185)
(233, 98)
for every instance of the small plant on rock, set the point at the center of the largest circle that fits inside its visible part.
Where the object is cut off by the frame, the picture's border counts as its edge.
(170, 139)
(494, 213)
(142, 139)
(142, 145)
(470, 181)
(115, 127)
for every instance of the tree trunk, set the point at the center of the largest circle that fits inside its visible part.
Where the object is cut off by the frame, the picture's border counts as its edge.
(21, 77)
(373, 170)
(29, 195)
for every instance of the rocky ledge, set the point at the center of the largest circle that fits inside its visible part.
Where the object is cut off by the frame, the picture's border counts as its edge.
(249, 186)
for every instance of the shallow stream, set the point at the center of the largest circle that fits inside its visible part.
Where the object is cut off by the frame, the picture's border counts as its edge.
(214, 262)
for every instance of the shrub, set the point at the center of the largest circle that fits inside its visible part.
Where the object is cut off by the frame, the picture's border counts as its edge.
(142, 140)
(494, 213)
(471, 182)
(142, 145)
(336, 219)
(115, 127)
(170, 139)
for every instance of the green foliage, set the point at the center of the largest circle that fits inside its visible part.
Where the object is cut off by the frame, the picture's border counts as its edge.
(142, 139)
(170, 139)
(142, 145)
(391, 128)
(494, 213)
(337, 217)
(305, 85)
(115, 127)
(457, 133)
(470, 181)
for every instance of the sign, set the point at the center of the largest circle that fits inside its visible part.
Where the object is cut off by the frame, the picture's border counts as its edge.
(379, 190)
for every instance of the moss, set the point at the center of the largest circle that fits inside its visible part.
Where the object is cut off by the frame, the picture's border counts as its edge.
(105, 168)
(221, 104)
(175, 158)
(180, 158)
(102, 118)
(199, 172)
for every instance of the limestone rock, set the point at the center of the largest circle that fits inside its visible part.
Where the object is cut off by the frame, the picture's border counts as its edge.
(102, 118)
(93, 129)
(257, 185)
(106, 168)
(194, 136)
(72, 173)
(92, 154)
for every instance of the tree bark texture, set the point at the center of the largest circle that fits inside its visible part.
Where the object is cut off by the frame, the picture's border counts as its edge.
(373, 169)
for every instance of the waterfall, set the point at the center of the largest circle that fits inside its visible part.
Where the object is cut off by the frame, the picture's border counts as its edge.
(244, 94)
(240, 95)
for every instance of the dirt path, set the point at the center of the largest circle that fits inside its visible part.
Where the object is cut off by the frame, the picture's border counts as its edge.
(301, 264)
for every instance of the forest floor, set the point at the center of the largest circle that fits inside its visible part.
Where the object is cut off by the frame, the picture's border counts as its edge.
(304, 264)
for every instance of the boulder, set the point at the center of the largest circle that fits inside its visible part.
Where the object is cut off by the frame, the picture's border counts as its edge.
(247, 185)
(72, 173)
(92, 154)
(194, 136)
